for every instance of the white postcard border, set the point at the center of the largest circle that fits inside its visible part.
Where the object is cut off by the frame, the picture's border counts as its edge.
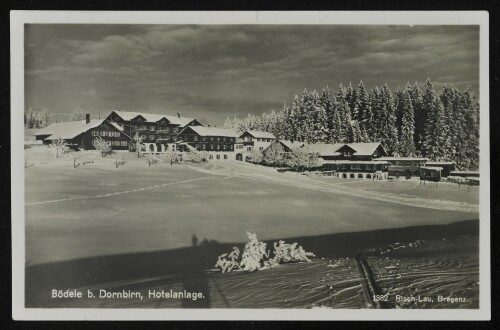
(19, 18)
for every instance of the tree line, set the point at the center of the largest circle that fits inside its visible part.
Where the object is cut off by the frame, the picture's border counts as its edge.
(411, 122)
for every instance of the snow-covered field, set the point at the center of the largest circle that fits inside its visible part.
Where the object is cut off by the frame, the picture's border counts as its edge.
(98, 225)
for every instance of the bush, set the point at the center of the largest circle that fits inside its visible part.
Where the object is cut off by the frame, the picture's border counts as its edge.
(255, 256)
(119, 161)
(102, 145)
(151, 159)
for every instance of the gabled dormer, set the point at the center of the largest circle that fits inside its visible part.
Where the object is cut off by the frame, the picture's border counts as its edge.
(138, 119)
(346, 152)
(163, 121)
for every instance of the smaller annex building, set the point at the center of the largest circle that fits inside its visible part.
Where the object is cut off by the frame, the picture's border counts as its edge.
(251, 140)
(446, 167)
(81, 134)
(217, 142)
(404, 166)
(355, 161)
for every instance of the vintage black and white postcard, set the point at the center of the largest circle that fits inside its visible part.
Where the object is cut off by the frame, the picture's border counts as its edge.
(250, 165)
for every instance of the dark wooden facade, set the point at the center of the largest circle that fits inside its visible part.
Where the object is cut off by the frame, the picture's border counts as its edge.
(348, 153)
(206, 143)
(153, 131)
(108, 132)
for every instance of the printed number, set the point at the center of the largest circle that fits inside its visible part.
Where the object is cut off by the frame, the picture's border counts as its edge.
(380, 298)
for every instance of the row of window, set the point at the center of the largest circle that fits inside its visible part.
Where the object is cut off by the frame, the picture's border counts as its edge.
(154, 128)
(360, 166)
(249, 138)
(211, 138)
(213, 147)
(217, 156)
(106, 133)
(118, 143)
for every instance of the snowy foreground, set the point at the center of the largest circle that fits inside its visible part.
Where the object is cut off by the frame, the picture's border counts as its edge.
(97, 226)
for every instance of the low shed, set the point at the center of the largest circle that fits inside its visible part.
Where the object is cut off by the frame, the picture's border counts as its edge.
(430, 173)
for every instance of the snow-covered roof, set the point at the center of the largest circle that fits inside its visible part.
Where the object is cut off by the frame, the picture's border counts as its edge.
(153, 117)
(294, 144)
(259, 134)
(440, 163)
(431, 168)
(211, 131)
(71, 129)
(326, 149)
(364, 148)
(353, 162)
(403, 158)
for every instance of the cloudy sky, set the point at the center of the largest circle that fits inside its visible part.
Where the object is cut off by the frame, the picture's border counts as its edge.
(211, 72)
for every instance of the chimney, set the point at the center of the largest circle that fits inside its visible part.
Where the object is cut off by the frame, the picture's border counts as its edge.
(87, 118)
(178, 115)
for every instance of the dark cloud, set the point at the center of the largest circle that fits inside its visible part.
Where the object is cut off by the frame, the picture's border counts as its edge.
(212, 71)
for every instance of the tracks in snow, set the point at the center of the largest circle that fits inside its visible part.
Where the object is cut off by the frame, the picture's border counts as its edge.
(119, 192)
(341, 188)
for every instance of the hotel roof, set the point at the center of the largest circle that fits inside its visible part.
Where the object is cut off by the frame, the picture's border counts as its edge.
(71, 129)
(326, 149)
(211, 131)
(259, 134)
(403, 158)
(153, 117)
(364, 148)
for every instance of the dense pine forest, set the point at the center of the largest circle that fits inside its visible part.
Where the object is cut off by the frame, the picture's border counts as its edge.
(413, 121)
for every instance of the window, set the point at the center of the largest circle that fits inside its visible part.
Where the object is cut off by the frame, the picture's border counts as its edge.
(211, 138)
(356, 166)
(347, 154)
(225, 156)
(151, 137)
(174, 130)
(204, 138)
(152, 128)
(117, 134)
(203, 146)
(232, 139)
(210, 156)
(218, 156)
(197, 146)
(195, 138)
(368, 167)
(261, 148)
(249, 148)
(225, 147)
(94, 133)
(231, 147)
(124, 143)
(218, 147)
(218, 138)
(211, 147)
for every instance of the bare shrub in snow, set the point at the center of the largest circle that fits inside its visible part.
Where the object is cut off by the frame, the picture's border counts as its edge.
(119, 161)
(102, 145)
(59, 146)
(151, 159)
(255, 256)
(229, 262)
